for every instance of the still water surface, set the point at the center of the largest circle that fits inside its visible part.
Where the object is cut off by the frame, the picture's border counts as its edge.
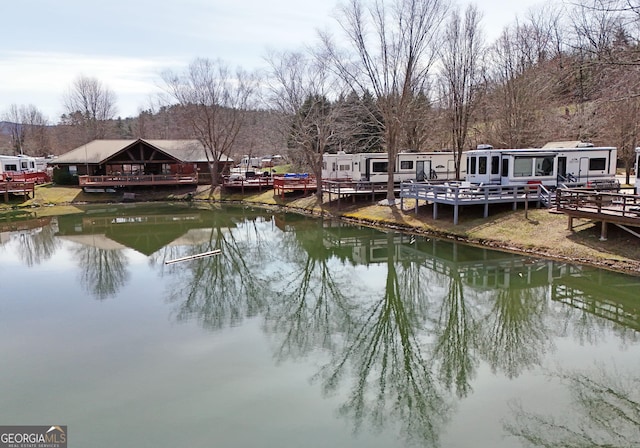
(305, 333)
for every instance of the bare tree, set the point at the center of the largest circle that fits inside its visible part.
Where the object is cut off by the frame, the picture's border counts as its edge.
(215, 103)
(300, 90)
(392, 48)
(17, 129)
(89, 104)
(461, 55)
(28, 127)
(521, 87)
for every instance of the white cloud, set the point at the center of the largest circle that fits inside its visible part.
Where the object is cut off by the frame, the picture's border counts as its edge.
(42, 78)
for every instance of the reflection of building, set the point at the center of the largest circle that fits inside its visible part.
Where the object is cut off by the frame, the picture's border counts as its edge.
(147, 228)
(144, 229)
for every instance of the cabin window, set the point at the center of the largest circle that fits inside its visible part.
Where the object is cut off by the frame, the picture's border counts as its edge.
(406, 164)
(73, 169)
(495, 165)
(482, 165)
(522, 166)
(598, 164)
(380, 167)
(472, 165)
(544, 166)
(11, 167)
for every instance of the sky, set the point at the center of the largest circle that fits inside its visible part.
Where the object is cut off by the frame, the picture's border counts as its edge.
(127, 44)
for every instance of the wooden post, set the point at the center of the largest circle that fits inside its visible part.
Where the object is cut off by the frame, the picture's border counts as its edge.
(570, 223)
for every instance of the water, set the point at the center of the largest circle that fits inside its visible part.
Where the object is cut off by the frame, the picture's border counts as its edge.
(305, 332)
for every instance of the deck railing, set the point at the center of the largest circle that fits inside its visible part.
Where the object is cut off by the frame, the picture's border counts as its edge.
(590, 201)
(142, 179)
(291, 182)
(21, 188)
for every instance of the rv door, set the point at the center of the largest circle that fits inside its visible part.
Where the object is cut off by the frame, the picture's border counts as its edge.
(422, 168)
(562, 168)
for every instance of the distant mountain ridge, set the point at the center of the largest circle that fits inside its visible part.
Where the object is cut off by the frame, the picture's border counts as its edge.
(5, 127)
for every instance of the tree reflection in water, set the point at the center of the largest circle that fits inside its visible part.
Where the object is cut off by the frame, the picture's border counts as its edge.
(392, 381)
(514, 336)
(605, 413)
(103, 271)
(456, 338)
(224, 289)
(37, 245)
(308, 306)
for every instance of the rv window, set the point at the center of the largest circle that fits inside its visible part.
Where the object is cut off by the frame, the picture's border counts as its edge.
(522, 166)
(24, 165)
(344, 167)
(495, 165)
(599, 164)
(406, 164)
(482, 165)
(544, 166)
(472, 168)
(505, 167)
(379, 167)
(324, 165)
(11, 167)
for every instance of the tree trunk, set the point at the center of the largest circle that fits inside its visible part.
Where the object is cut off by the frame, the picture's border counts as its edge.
(213, 171)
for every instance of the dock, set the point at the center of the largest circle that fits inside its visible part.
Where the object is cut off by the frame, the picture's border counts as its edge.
(622, 210)
(463, 194)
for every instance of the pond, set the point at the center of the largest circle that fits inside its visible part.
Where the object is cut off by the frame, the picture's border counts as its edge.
(305, 332)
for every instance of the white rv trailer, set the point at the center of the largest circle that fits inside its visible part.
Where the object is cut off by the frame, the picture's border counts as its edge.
(17, 164)
(547, 166)
(23, 168)
(373, 167)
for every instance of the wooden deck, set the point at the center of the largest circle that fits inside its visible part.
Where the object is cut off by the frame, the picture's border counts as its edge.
(259, 183)
(26, 189)
(347, 188)
(138, 180)
(283, 184)
(459, 195)
(616, 208)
